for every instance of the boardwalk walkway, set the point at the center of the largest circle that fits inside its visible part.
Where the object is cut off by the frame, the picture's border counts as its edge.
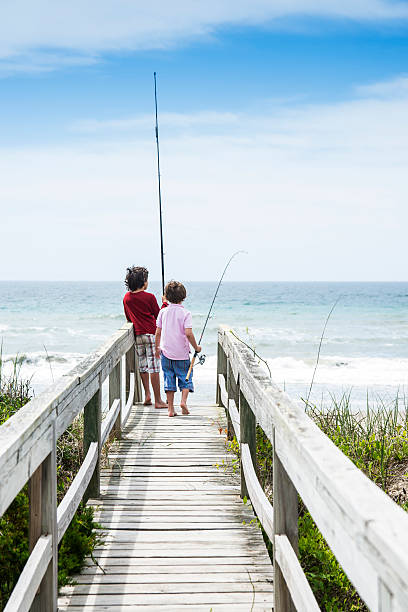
(175, 537)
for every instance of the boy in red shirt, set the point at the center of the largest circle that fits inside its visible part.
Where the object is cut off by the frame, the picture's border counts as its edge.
(141, 309)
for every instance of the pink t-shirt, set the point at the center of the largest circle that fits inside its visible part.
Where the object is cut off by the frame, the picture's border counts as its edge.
(173, 321)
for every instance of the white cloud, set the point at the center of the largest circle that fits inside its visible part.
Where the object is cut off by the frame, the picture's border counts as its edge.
(397, 87)
(317, 192)
(73, 31)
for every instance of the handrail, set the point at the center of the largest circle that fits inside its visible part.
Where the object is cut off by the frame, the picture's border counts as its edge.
(365, 529)
(28, 453)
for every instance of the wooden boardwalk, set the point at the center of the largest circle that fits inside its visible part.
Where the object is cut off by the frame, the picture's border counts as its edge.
(177, 535)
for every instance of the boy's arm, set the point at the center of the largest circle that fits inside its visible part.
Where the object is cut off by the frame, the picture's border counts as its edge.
(192, 340)
(157, 341)
(155, 307)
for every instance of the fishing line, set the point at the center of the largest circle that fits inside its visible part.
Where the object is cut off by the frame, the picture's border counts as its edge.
(201, 359)
(158, 176)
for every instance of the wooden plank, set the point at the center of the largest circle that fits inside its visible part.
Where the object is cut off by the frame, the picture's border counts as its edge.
(176, 566)
(296, 581)
(247, 436)
(74, 495)
(238, 607)
(155, 578)
(166, 588)
(159, 599)
(30, 578)
(92, 433)
(245, 607)
(109, 420)
(114, 394)
(131, 393)
(285, 522)
(34, 496)
(260, 502)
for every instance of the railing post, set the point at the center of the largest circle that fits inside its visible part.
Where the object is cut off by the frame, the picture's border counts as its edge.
(285, 522)
(43, 500)
(233, 392)
(130, 367)
(221, 369)
(92, 433)
(114, 393)
(247, 422)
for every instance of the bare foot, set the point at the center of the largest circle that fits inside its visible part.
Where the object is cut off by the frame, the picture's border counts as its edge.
(161, 405)
(184, 409)
(172, 414)
(148, 401)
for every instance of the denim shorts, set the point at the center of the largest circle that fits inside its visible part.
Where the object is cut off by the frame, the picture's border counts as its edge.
(176, 369)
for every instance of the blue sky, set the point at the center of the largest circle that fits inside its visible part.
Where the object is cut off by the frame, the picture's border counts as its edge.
(286, 132)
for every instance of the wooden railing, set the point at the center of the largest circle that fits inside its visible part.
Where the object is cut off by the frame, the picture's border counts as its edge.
(28, 453)
(365, 529)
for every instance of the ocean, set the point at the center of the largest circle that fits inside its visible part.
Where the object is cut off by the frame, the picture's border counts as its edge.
(364, 350)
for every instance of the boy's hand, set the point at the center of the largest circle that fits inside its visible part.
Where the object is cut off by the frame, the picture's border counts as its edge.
(157, 353)
(198, 349)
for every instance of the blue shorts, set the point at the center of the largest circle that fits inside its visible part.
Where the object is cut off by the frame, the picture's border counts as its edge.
(176, 369)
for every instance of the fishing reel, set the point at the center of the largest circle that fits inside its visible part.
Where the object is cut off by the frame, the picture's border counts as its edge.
(200, 360)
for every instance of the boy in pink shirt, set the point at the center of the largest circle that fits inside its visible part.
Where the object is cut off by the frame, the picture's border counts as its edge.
(174, 334)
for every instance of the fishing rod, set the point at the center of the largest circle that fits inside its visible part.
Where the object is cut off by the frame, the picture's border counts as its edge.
(202, 357)
(158, 176)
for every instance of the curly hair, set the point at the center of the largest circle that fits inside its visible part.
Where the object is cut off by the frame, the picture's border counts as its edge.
(136, 277)
(175, 292)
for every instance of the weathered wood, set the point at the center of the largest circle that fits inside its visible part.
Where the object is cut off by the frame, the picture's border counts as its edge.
(247, 425)
(92, 433)
(231, 409)
(364, 528)
(285, 522)
(46, 600)
(75, 493)
(199, 521)
(130, 368)
(233, 393)
(26, 438)
(34, 496)
(30, 578)
(130, 395)
(298, 586)
(108, 423)
(114, 394)
(221, 371)
(259, 501)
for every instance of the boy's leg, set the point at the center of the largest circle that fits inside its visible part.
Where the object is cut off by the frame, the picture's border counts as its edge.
(143, 367)
(183, 403)
(154, 370)
(169, 383)
(158, 402)
(170, 400)
(185, 387)
(145, 382)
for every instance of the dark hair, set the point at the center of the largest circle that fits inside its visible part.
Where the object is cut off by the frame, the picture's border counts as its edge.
(175, 292)
(136, 278)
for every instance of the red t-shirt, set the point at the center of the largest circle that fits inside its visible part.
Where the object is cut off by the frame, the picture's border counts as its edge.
(141, 309)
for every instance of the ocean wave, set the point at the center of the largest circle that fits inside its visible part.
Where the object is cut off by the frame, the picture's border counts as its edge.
(331, 370)
(114, 316)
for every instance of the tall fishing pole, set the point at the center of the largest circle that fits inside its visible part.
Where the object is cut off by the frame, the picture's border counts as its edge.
(209, 313)
(158, 176)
